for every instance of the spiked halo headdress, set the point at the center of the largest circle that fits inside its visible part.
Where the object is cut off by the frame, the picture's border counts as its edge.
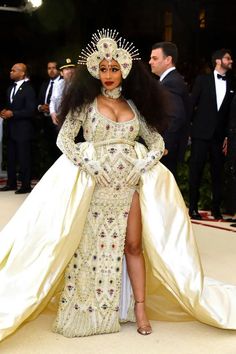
(106, 45)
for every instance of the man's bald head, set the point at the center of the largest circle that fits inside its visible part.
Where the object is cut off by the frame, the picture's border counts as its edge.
(18, 72)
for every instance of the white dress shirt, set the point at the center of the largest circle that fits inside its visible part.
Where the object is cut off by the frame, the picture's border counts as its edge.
(48, 88)
(220, 89)
(56, 96)
(18, 84)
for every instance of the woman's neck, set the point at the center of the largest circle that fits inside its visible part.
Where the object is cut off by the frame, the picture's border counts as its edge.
(113, 94)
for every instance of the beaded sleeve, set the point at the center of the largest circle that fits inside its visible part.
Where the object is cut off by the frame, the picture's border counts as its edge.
(66, 137)
(155, 144)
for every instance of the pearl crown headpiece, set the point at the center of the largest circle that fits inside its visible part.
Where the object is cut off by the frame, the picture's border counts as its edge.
(105, 45)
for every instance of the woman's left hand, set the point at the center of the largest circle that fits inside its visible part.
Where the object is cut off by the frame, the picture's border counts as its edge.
(138, 169)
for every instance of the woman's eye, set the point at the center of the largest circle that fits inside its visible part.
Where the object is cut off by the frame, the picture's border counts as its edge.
(114, 70)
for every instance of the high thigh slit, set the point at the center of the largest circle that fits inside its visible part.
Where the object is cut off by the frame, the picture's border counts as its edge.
(90, 300)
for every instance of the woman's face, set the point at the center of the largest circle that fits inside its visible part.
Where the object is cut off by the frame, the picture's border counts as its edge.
(110, 74)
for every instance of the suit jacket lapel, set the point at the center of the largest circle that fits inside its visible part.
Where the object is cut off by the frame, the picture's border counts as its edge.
(227, 93)
(9, 92)
(228, 86)
(19, 89)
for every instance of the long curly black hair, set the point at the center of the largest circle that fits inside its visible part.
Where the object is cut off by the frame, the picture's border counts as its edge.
(140, 86)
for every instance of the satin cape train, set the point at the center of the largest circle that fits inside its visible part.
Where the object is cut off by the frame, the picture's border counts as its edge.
(39, 241)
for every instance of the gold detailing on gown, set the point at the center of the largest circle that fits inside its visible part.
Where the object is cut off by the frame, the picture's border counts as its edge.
(90, 300)
(114, 141)
(50, 224)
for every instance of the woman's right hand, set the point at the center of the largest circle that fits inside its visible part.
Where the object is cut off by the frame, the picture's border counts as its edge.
(97, 171)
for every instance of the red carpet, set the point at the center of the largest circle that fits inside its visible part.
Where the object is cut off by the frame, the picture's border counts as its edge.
(209, 221)
(206, 215)
(3, 182)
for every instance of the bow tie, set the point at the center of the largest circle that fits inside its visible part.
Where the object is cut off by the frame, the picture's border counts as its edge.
(221, 77)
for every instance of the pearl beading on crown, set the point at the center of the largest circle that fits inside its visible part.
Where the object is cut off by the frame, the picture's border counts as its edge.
(105, 45)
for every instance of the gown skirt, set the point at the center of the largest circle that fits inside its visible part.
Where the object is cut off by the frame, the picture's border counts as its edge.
(40, 248)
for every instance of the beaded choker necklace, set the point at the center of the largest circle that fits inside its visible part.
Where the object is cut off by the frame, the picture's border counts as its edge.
(115, 93)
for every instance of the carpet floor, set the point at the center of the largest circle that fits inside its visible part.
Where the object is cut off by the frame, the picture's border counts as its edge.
(217, 246)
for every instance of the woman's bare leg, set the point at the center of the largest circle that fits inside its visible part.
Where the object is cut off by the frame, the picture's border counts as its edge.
(135, 263)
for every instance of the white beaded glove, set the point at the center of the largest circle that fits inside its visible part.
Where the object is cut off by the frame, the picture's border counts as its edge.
(140, 167)
(95, 169)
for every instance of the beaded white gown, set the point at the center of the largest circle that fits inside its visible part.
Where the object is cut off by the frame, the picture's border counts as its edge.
(71, 232)
(90, 300)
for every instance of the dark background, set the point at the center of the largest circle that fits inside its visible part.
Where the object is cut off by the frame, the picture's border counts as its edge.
(60, 29)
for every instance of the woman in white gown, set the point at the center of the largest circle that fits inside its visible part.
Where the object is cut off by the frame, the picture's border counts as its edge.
(101, 199)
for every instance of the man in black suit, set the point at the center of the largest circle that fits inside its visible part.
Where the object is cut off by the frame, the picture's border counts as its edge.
(21, 105)
(50, 130)
(230, 195)
(211, 98)
(163, 59)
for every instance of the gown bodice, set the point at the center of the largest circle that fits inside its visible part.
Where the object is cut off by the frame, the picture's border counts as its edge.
(100, 130)
(98, 127)
(40, 240)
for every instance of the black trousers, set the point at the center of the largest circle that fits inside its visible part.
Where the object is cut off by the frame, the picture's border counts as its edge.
(176, 145)
(171, 160)
(201, 150)
(19, 155)
(50, 132)
(230, 192)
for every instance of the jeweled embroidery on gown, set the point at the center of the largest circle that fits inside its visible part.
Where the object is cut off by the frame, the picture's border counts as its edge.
(49, 228)
(89, 303)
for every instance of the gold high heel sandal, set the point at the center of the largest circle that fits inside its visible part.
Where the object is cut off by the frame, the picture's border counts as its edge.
(144, 329)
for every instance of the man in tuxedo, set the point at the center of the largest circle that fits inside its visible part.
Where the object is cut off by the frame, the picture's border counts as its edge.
(230, 195)
(49, 129)
(211, 98)
(163, 59)
(19, 113)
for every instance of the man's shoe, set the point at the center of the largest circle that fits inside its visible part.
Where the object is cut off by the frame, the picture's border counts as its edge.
(194, 214)
(230, 220)
(23, 190)
(217, 214)
(7, 188)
